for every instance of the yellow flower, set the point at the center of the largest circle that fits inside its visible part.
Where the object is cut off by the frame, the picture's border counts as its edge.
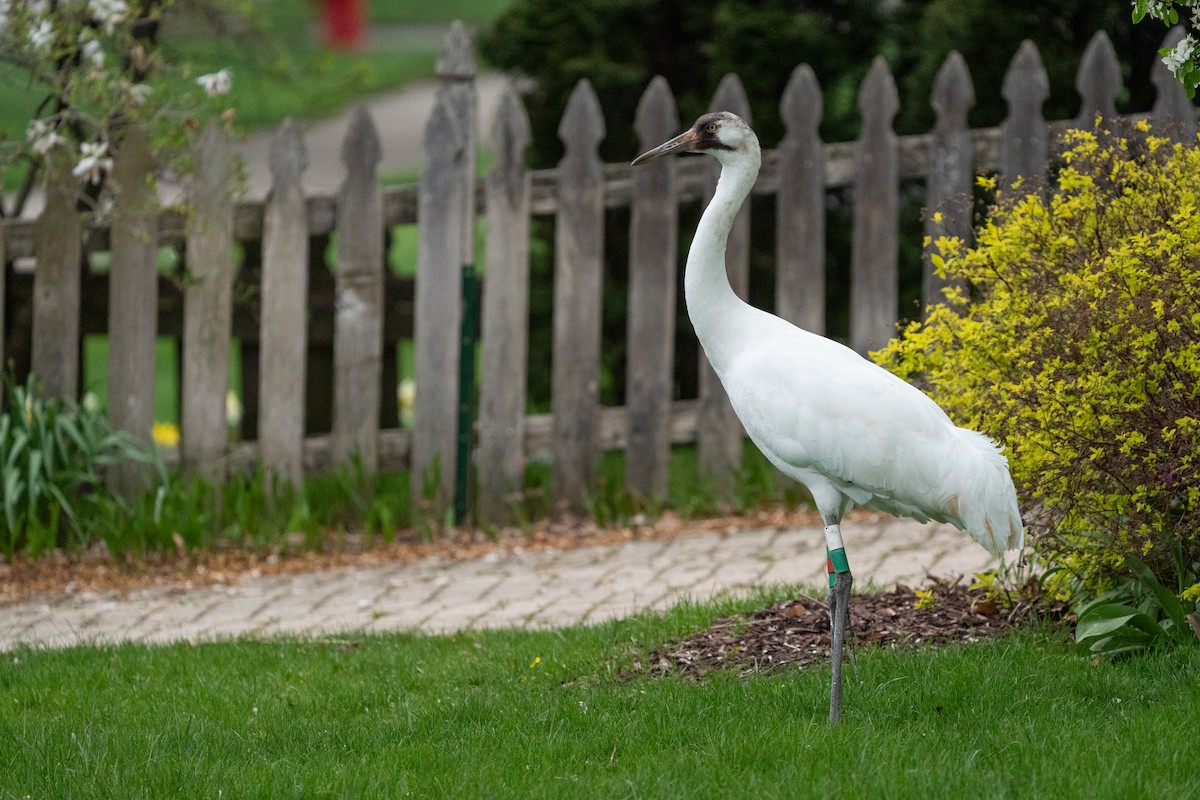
(166, 434)
(535, 662)
(1191, 593)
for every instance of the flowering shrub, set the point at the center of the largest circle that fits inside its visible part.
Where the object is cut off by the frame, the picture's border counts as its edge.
(99, 64)
(1079, 349)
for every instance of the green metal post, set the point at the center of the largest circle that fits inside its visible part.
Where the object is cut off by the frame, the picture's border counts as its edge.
(466, 392)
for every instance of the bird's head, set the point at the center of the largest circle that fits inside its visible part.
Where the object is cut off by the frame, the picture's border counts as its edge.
(720, 134)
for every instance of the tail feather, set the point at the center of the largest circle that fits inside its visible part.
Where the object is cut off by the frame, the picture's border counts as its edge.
(987, 500)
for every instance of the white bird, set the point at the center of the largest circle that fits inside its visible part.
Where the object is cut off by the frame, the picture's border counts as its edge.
(853, 433)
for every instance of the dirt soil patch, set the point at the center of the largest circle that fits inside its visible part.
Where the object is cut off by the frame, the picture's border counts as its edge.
(795, 633)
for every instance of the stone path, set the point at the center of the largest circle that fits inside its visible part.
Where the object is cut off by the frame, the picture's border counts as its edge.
(518, 589)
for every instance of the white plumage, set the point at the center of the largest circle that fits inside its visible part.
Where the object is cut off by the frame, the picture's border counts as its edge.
(850, 431)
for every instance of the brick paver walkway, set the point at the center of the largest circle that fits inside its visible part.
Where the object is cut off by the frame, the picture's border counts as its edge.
(522, 589)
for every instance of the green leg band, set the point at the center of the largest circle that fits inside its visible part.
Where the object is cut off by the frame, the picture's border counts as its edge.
(837, 558)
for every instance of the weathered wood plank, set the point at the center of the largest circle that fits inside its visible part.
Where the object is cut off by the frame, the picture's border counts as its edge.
(650, 337)
(283, 341)
(721, 438)
(208, 306)
(358, 324)
(578, 286)
(948, 201)
(874, 285)
(445, 208)
(56, 282)
(133, 301)
(505, 334)
(1098, 82)
(800, 206)
(395, 444)
(1174, 115)
(1024, 138)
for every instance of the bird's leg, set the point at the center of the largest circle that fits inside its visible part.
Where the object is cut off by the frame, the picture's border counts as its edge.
(839, 613)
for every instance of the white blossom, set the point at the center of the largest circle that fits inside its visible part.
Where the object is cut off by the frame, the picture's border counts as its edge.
(109, 12)
(216, 83)
(43, 137)
(139, 93)
(94, 52)
(1180, 55)
(93, 161)
(41, 35)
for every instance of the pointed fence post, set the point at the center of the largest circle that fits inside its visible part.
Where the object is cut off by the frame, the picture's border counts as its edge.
(720, 437)
(874, 284)
(56, 282)
(1174, 116)
(446, 210)
(653, 251)
(132, 301)
(1098, 82)
(800, 206)
(1024, 137)
(948, 200)
(358, 321)
(505, 341)
(284, 336)
(578, 286)
(208, 306)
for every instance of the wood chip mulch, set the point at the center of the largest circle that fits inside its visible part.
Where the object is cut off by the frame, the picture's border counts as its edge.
(796, 633)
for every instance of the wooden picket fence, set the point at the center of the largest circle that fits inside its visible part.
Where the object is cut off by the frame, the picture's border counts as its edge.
(367, 304)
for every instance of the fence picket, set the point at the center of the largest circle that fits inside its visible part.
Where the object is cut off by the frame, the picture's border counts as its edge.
(1098, 82)
(1024, 136)
(951, 171)
(800, 206)
(358, 322)
(874, 254)
(446, 209)
(56, 282)
(650, 340)
(504, 343)
(284, 334)
(720, 437)
(578, 285)
(208, 306)
(133, 301)
(1174, 115)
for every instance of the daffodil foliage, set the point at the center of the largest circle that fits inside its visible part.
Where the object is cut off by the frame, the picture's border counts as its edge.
(1074, 339)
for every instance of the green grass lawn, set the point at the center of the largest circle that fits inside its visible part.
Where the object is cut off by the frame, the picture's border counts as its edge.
(558, 714)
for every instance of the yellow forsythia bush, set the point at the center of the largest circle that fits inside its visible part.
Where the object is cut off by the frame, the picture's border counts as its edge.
(1077, 345)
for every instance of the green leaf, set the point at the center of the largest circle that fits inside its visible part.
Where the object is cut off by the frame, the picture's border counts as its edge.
(1166, 600)
(1108, 619)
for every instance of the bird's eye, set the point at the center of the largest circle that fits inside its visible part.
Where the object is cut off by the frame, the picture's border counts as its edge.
(712, 127)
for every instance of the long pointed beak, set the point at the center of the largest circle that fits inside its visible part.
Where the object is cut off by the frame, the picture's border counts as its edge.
(681, 143)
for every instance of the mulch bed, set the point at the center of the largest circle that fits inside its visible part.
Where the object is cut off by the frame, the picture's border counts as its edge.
(796, 633)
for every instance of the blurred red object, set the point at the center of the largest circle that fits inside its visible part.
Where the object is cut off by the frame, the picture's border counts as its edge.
(343, 24)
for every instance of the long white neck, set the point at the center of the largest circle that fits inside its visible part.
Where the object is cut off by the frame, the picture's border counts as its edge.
(712, 305)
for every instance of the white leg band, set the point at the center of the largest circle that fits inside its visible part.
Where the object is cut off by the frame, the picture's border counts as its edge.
(833, 537)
